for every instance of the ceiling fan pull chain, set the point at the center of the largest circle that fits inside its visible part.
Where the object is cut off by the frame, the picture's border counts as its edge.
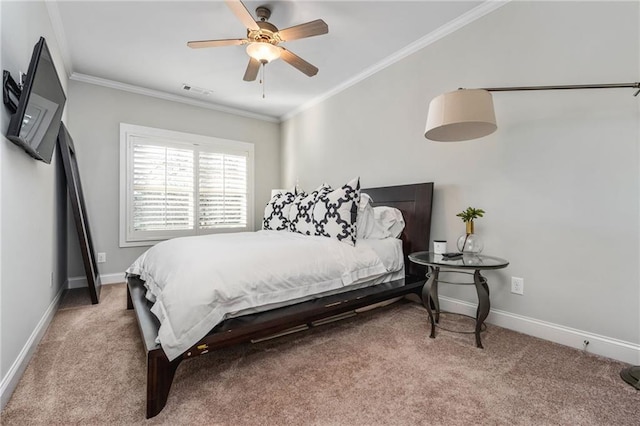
(262, 80)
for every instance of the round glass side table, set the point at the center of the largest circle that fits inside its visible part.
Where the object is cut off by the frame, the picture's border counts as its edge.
(470, 264)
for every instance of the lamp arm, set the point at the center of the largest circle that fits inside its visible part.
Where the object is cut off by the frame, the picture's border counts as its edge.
(463, 115)
(635, 85)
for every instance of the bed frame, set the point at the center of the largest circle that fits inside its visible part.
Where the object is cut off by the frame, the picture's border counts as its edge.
(415, 203)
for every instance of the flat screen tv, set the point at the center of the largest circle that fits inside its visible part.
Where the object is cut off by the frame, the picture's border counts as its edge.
(35, 124)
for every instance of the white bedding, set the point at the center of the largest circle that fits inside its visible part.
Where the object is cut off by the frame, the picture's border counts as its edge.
(196, 282)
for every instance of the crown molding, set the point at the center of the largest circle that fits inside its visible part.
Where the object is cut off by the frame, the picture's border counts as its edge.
(448, 28)
(58, 31)
(54, 15)
(84, 78)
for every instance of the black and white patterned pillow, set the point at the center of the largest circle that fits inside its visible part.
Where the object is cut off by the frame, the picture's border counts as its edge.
(301, 213)
(336, 211)
(276, 213)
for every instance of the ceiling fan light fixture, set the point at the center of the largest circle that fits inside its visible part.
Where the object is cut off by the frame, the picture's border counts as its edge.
(263, 51)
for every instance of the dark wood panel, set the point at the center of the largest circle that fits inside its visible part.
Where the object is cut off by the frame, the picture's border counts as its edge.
(415, 203)
(264, 324)
(78, 207)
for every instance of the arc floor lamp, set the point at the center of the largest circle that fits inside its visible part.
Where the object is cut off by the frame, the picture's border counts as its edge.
(467, 114)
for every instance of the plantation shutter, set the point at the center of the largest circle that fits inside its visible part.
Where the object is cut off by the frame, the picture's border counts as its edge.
(177, 184)
(163, 188)
(223, 190)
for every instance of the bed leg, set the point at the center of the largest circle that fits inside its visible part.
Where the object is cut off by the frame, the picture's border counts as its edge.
(160, 372)
(129, 301)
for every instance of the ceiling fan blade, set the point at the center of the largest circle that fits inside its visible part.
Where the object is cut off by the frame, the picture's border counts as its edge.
(297, 62)
(309, 29)
(216, 43)
(252, 70)
(240, 10)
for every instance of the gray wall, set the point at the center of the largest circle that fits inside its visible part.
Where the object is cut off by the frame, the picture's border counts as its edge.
(33, 201)
(560, 179)
(95, 114)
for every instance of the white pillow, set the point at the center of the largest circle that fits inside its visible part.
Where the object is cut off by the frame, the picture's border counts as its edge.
(365, 220)
(388, 222)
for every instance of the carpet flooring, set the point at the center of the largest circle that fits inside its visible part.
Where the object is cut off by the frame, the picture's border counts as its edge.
(379, 368)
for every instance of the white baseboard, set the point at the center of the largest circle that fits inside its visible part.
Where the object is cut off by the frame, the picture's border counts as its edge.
(79, 282)
(599, 345)
(13, 376)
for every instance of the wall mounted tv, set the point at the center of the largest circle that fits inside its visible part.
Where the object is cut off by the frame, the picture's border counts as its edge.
(34, 125)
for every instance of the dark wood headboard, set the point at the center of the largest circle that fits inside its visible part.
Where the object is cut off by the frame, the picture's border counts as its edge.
(414, 201)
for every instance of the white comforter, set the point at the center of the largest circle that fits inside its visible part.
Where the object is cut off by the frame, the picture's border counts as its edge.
(196, 282)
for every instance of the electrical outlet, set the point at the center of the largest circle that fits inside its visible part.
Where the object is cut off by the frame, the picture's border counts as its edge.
(102, 257)
(517, 285)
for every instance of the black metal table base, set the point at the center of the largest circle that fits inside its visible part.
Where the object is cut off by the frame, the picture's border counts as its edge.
(430, 295)
(631, 375)
(451, 330)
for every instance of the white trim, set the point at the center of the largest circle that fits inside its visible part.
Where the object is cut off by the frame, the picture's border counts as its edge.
(105, 279)
(11, 379)
(198, 143)
(599, 345)
(448, 28)
(58, 30)
(168, 96)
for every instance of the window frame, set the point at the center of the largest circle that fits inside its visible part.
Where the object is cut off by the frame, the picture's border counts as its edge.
(130, 133)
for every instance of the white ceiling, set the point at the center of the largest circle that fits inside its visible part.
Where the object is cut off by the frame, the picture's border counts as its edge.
(143, 43)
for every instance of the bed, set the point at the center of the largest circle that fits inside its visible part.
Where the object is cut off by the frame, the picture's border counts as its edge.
(414, 201)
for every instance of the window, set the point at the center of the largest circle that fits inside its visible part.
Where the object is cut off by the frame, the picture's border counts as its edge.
(177, 184)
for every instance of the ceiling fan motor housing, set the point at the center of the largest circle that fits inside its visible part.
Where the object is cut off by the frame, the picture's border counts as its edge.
(263, 13)
(267, 33)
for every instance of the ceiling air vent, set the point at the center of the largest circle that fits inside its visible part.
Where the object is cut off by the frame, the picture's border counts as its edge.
(198, 90)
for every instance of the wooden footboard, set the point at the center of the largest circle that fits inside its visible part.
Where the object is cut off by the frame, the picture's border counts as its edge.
(160, 371)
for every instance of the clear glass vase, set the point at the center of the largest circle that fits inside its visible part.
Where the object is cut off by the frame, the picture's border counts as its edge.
(470, 242)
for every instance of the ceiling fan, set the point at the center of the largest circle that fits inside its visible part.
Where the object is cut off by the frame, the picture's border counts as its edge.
(263, 39)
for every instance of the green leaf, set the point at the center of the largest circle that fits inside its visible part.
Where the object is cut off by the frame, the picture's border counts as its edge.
(470, 214)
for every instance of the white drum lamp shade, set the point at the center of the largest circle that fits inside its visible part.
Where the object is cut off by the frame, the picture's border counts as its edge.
(460, 116)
